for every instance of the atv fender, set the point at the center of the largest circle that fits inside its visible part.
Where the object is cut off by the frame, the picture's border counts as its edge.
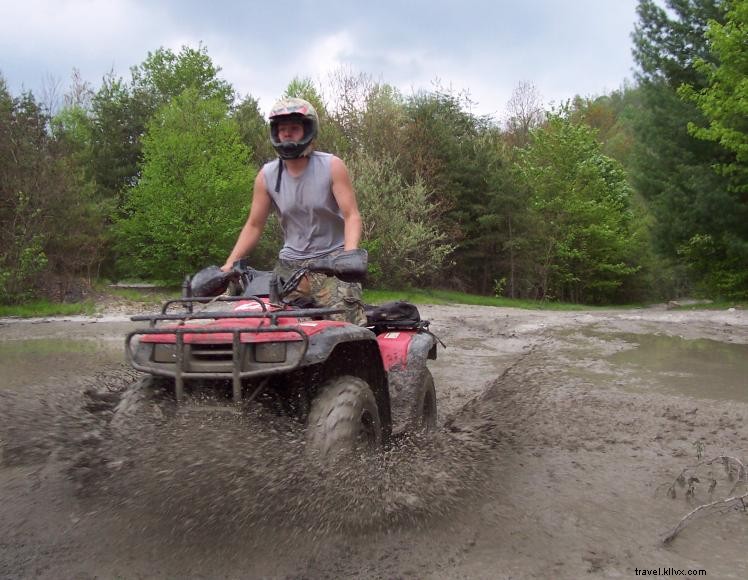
(321, 345)
(404, 354)
(352, 350)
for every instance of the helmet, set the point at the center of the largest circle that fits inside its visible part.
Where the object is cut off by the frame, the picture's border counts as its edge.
(293, 109)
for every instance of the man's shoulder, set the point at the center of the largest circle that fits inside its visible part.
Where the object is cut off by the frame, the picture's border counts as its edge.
(322, 155)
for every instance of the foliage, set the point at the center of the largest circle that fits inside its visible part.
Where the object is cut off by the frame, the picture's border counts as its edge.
(164, 75)
(254, 131)
(399, 232)
(192, 197)
(724, 99)
(49, 227)
(582, 235)
(442, 144)
(700, 220)
(610, 116)
(120, 111)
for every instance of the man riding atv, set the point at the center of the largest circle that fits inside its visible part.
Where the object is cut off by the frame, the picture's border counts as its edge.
(297, 339)
(312, 194)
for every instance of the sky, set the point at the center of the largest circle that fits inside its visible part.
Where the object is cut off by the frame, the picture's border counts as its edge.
(484, 48)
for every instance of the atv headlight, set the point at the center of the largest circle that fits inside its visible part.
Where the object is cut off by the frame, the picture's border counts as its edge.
(165, 353)
(270, 352)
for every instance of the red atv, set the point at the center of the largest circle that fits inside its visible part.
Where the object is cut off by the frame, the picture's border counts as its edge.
(352, 386)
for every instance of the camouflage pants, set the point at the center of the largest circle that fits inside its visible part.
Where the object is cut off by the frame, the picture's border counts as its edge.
(326, 291)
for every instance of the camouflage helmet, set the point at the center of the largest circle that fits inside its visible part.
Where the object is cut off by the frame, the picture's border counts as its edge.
(295, 109)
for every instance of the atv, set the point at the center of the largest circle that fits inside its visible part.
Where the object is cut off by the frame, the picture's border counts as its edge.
(235, 336)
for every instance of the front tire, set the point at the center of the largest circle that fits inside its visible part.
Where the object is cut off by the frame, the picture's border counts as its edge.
(344, 417)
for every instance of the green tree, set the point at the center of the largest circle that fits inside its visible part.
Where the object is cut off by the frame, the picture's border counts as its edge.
(671, 167)
(115, 132)
(254, 130)
(163, 75)
(582, 238)
(610, 116)
(724, 99)
(120, 111)
(193, 193)
(442, 144)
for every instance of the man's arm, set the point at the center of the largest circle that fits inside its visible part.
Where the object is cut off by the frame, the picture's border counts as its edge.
(342, 189)
(252, 230)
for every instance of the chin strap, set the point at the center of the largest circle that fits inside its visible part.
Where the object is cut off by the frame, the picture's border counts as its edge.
(280, 172)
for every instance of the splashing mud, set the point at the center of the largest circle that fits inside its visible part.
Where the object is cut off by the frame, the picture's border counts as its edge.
(214, 475)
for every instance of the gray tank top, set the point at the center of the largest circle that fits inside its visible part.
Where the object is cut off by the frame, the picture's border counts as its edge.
(309, 215)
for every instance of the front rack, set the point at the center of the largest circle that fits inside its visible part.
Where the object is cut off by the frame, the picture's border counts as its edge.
(178, 374)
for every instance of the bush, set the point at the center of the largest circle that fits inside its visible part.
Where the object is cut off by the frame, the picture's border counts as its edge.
(399, 231)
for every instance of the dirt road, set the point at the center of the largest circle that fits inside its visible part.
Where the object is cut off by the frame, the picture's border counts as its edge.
(561, 433)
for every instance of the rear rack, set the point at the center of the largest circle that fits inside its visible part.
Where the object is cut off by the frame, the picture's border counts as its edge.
(236, 376)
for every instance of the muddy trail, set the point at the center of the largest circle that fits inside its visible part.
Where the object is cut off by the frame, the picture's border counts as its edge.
(559, 434)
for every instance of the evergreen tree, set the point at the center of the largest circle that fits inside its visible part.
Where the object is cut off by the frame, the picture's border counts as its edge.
(700, 219)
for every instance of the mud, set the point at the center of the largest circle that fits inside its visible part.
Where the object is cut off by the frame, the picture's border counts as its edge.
(559, 433)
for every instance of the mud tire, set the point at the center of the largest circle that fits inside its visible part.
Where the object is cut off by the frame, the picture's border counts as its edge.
(343, 418)
(425, 413)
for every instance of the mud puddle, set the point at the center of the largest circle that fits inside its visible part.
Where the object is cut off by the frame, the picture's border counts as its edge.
(29, 362)
(700, 368)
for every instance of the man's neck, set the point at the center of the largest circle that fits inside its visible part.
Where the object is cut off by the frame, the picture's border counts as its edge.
(296, 166)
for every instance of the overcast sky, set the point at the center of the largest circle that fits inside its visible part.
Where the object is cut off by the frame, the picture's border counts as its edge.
(563, 47)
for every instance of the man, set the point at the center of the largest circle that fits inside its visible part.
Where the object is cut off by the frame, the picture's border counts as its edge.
(312, 194)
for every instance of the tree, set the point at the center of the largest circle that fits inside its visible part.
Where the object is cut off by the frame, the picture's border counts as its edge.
(404, 243)
(439, 145)
(49, 228)
(120, 111)
(582, 235)
(525, 109)
(115, 139)
(700, 218)
(254, 130)
(193, 193)
(609, 115)
(724, 99)
(163, 75)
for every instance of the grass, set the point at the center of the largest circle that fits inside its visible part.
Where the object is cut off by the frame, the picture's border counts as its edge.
(158, 294)
(715, 305)
(47, 308)
(453, 297)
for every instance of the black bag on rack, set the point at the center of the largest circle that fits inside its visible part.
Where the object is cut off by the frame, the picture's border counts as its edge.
(398, 314)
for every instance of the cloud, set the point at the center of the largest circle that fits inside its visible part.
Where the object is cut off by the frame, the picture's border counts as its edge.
(484, 47)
